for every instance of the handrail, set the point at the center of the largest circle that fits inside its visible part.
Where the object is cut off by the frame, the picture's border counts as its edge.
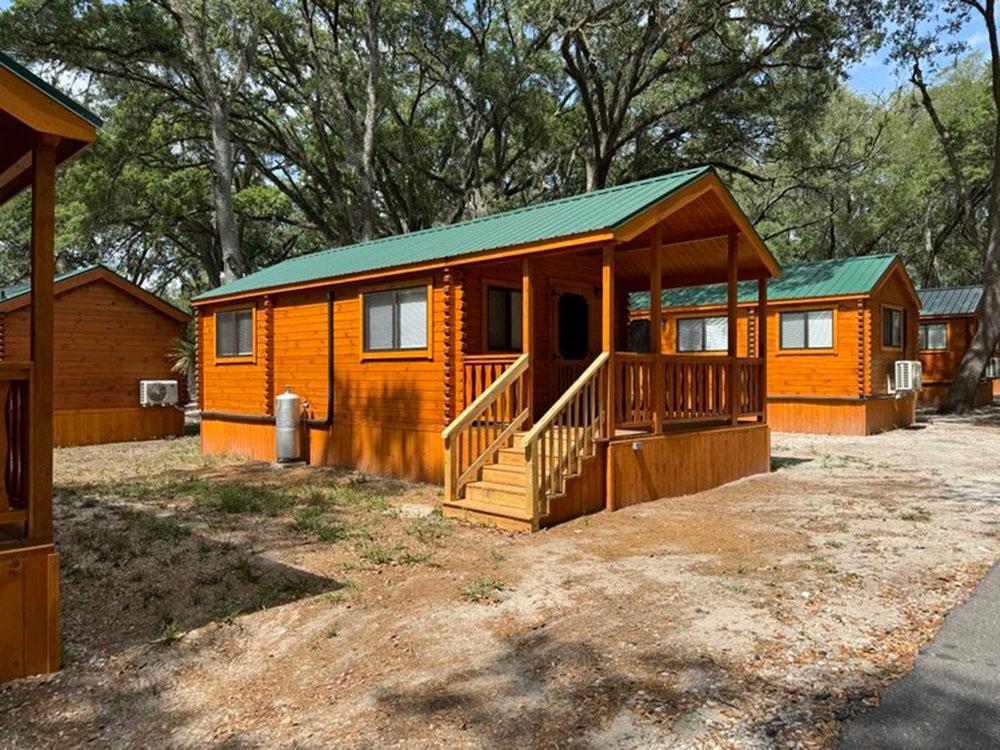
(478, 406)
(556, 447)
(484, 427)
(531, 436)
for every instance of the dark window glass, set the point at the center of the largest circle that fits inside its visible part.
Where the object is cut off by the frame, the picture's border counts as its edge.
(234, 333)
(503, 319)
(639, 339)
(892, 328)
(574, 322)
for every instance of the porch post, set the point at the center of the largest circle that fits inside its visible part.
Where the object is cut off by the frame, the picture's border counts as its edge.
(731, 297)
(42, 331)
(762, 343)
(608, 329)
(528, 334)
(655, 330)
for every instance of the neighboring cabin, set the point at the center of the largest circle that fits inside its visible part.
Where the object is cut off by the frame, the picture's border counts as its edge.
(109, 335)
(947, 324)
(490, 355)
(835, 329)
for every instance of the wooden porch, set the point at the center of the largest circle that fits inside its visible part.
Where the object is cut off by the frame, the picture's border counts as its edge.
(39, 129)
(530, 443)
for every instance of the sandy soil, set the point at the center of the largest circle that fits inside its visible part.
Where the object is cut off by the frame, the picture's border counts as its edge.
(211, 601)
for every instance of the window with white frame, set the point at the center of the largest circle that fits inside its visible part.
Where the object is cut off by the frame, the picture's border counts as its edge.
(234, 333)
(807, 329)
(933, 336)
(703, 334)
(395, 320)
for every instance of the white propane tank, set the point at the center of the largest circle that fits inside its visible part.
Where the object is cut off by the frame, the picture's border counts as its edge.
(287, 418)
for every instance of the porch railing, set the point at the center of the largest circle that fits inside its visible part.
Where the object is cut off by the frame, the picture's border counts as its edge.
(15, 380)
(480, 371)
(560, 441)
(695, 389)
(487, 424)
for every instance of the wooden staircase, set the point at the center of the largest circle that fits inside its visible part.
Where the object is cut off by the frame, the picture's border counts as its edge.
(523, 480)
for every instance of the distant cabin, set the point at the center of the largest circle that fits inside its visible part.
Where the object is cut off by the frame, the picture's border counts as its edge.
(491, 355)
(835, 329)
(947, 325)
(110, 334)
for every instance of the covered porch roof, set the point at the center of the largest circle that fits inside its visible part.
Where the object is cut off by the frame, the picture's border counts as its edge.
(30, 109)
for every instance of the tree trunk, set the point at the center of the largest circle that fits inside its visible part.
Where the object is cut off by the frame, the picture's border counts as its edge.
(366, 177)
(963, 388)
(217, 106)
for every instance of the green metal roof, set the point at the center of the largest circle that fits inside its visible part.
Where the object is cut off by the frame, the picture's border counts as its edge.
(50, 91)
(590, 212)
(826, 278)
(951, 300)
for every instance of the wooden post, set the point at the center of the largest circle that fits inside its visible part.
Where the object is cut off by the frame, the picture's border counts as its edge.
(732, 290)
(762, 342)
(528, 335)
(608, 329)
(655, 330)
(42, 347)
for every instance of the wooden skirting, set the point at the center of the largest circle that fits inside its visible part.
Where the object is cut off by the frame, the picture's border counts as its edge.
(933, 394)
(839, 416)
(684, 463)
(384, 450)
(29, 612)
(95, 426)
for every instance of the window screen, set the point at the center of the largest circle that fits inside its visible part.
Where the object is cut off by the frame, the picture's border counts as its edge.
(933, 336)
(503, 319)
(234, 333)
(892, 328)
(703, 334)
(395, 319)
(809, 329)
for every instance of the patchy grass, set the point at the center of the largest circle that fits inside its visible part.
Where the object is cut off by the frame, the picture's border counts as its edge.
(484, 590)
(917, 514)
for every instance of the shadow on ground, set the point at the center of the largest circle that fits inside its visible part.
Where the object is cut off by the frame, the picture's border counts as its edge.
(540, 690)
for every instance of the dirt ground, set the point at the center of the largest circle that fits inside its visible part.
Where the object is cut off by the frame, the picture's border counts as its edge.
(214, 601)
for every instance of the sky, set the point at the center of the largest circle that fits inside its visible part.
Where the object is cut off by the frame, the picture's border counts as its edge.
(874, 76)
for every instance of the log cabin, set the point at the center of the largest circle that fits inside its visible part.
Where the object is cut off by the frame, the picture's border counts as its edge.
(40, 128)
(947, 324)
(835, 329)
(490, 355)
(110, 334)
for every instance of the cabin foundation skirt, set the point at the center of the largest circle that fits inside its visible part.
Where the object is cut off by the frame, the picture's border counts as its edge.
(840, 416)
(29, 612)
(97, 426)
(933, 394)
(386, 450)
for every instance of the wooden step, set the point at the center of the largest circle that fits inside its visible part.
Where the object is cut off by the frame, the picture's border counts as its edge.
(512, 475)
(511, 457)
(492, 493)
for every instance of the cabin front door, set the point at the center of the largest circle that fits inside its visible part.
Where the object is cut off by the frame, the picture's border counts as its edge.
(574, 330)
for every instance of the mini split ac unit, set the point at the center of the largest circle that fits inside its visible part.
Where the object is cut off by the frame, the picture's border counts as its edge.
(993, 369)
(907, 376)
(157, 392)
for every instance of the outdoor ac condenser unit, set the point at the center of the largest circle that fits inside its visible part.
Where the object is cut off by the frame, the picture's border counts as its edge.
(907, 376)
(157, 392)
(993, 368)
